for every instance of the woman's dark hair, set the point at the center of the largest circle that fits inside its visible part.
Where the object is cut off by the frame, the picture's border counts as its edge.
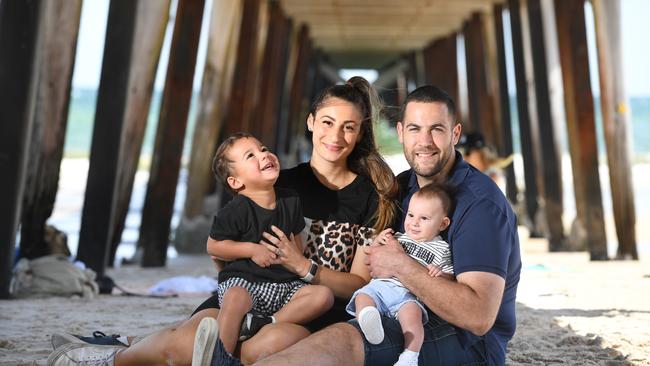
(220, 162)
(365, 160)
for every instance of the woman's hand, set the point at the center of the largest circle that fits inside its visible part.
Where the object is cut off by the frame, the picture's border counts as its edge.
(263, 257)
(286, 250)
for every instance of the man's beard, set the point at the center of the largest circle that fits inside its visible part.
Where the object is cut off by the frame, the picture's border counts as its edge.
(428, 172)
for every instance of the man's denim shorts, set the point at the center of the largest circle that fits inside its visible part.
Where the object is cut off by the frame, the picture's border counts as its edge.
(441, 345)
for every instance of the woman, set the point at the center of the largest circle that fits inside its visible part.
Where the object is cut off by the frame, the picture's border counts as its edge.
(346, 191)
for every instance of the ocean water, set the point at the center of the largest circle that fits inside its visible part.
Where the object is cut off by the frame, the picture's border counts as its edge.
(81, 118)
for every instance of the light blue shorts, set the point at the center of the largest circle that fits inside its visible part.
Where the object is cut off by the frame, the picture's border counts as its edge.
(388, 297)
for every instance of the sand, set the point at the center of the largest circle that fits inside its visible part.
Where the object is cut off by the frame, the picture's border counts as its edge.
(570, 311)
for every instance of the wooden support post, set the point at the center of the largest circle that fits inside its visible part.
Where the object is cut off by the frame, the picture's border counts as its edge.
(168, 150)
(551, 163)
(19, 38)
(616, 123)
(151, 23)
(504, 100)
(303, 50)
(274, 69)
(481, 110)
(215, 92)
(579, 106)
(441, 67)
(242, 100)
(413, 73)
(61, 23)
(525, 126)
(101, 187)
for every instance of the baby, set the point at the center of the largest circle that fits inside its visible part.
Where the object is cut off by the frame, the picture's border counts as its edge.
(428, 214)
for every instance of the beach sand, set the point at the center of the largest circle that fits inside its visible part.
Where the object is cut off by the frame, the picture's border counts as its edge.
(570, 311)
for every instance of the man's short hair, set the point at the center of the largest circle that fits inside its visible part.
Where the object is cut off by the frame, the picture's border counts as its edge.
(430, 94)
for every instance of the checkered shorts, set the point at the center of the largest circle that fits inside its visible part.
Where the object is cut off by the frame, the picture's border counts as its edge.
(268, 297)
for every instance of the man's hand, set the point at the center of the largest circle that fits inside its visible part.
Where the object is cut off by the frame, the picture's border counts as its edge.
(385, 256)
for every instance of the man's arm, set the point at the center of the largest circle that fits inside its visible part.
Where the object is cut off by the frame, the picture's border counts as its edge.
(471, 303)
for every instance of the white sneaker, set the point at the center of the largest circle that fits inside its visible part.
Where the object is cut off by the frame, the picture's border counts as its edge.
(204, 340)
(59, 339)
(407, 358)
(370, 323)
(83, 354)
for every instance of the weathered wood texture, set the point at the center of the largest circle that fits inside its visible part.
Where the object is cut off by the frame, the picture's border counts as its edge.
(273, 74)
(441, 68)
(415, 71)
(61, 26)
(19, 37)
(481, 109)
(297, 102)
(579, 106)
(616, 123)
(242, 102)
(525, 126)
(215, 90)
(551, 163)
(505, 148)
(165, 165)
(151, 22)
(100, 197)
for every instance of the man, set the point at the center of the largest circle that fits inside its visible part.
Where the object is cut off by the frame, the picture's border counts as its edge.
(473, 318)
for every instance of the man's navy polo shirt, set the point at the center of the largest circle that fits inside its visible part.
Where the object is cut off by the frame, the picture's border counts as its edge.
(483, 237)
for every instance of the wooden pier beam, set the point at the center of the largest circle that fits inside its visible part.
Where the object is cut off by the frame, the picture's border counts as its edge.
(481, 109)
(101, 187)
(616, 123)
(192, 231)
(59, 43)
(525, 125)
(551, 163)
(579, 106)
(273, 74)
(151, 22)
(165, 165)
(242, 101)
(441, 68)
(19, 38)
(290, 128)
(505, 148)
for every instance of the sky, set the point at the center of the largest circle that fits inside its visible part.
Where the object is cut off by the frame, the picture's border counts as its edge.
(635, 27)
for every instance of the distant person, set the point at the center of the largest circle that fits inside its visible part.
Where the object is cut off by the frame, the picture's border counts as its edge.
(428, 214)
(483, 156)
